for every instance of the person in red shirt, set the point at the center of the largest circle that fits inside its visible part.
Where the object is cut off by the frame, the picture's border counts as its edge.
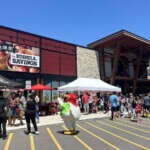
(138, 110)
(85, 100)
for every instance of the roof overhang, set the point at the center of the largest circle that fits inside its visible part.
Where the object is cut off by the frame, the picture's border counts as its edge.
(122, 35)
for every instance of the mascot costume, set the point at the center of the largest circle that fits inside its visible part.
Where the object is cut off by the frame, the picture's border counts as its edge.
(70, 112)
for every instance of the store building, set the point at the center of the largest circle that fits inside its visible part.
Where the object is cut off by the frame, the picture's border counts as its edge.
(88, 63)
(29, 57)
(25, 56)
(124, 61)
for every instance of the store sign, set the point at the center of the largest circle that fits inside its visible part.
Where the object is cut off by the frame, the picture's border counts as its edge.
(24, 60)
(28, 85)
(19, 58)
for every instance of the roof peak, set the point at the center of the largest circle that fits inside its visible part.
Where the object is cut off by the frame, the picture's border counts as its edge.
(118, 34)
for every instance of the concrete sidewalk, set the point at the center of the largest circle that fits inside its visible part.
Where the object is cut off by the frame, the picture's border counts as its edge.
(55, 119)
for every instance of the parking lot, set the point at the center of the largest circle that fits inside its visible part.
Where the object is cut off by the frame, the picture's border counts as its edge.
(93, 134)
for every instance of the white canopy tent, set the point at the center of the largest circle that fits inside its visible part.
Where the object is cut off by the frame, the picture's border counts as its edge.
(88, 84)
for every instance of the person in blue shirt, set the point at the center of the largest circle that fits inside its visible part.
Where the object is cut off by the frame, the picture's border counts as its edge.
(113, 102)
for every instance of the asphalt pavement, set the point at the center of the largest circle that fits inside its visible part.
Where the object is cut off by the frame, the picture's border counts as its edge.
(97, 133)
(55, 119)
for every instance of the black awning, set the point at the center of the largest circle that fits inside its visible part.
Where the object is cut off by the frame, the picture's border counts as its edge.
(7, 83)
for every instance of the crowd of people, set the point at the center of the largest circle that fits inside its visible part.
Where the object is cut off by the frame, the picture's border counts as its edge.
(15, 106)
(119, 104)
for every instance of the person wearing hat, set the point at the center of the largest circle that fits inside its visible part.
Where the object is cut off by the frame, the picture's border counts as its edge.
(3, 118)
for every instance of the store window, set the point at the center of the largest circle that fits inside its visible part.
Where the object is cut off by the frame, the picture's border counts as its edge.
(62, 83)
(47, 94)
(55, 84)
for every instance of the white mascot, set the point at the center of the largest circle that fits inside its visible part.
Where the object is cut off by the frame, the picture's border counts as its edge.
(70, 112)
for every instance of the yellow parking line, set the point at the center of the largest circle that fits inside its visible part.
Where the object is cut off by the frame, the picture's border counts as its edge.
(8, 141)
(145, 148)
(133, 123)
(54, 139)
(83, 143)
(130, 126)
(124, 130)
(106, 142)
(32, 142)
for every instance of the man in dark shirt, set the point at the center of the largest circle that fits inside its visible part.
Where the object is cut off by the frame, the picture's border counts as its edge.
(30, 114)
(2, 117)
(106, 103)
(146, 105)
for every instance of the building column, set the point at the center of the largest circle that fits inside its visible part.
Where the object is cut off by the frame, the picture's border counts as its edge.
(137, 68)
(102, 64)
(115, 63)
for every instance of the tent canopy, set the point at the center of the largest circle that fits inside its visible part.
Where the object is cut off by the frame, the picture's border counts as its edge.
(7, 83)
(88, 84)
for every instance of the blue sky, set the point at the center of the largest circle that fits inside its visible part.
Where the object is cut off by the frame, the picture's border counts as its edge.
(77, 21)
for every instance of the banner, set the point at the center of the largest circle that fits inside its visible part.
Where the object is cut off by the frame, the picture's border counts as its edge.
(24, 60)
(19, 58)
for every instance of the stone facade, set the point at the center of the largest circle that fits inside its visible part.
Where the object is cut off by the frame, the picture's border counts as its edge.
(88, 63)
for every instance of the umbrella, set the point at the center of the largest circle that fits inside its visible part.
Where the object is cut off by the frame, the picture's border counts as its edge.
(41, 87)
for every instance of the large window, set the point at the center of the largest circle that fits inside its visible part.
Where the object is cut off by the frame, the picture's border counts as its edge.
(55, 84)
(48, 95)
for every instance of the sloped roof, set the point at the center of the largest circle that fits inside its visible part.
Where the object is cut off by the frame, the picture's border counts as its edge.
(123, 34)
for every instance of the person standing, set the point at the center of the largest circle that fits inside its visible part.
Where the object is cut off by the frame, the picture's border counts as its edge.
(138, 110)
(118, 105)
(12, 110)
(30, 114)
(133, 106)
(85, 100)
(113, 101)
(3, 117)
(82, 104)
(123, 102)
(22, 101)
(146, 105)
(90, 104)
(106, 103)
(102, 104)
(19, 110)
(70, 112)
(37, 99)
